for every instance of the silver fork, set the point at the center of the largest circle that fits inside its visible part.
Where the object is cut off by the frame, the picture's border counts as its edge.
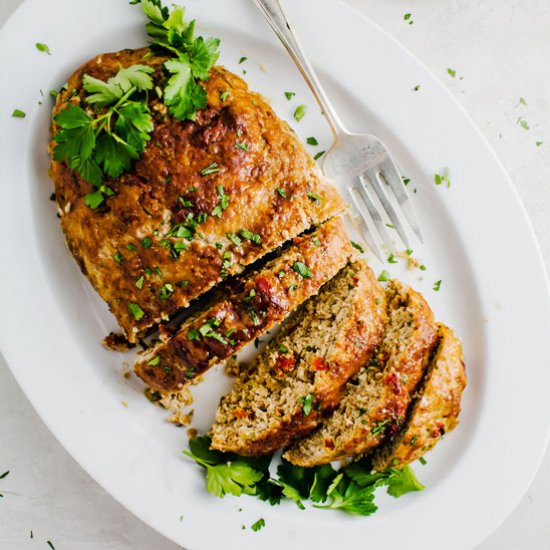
(359, 161)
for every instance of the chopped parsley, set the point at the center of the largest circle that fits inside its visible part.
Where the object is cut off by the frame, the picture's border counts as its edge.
(193, 334)
(235, 239)
(437, 285)
(384, 276)
(166, 291)
(357, 246)
(131, 247)
(539, 143)
(250, 236)
(212, 168)
(307, 403)
(313, 196)
(17, 113)
(283, 349)
(223, 202)
(139, 282)
(146, 242)
(312, 141)
(256, 526)
(422, 267)
(155, 361)
(224, 95)
(300, 112)
(380, 427)
(118, 257)
(451, 72)
(43, 48)
(319, 155)
(49, 543)
(5, 474)
(136, 311)
(444, 178)
(185, 203)
(522, 101)
(523, 123)
(416, 88)
(407, 17)
(302, 269)
(408, 252)
(242, 60)
(315, 241)
(422, 461)
(281, 192)
(289, 95)
(242, 146)
(392, 259)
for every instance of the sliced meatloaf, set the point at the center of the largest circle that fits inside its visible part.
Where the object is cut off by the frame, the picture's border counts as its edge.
(299, 375)
(435, 409)
(375, 401)
(205, 199)
(247, 306)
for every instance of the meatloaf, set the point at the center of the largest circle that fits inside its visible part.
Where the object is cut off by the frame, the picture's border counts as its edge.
(246, 307)
(376, 400)
(435, 409)
(299, 375)
(131, 247)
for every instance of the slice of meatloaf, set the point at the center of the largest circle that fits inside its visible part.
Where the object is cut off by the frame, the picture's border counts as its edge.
(299, 376)
(247, 307)
(375, 401)
(435, 409)
(195, 207)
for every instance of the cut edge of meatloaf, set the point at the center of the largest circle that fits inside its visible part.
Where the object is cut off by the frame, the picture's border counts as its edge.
(299, 375)
(436, 407)
(375, 401)
(246, 308)
(173, 230)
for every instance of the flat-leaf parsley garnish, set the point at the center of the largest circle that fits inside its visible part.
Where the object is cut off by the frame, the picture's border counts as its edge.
(350, 489)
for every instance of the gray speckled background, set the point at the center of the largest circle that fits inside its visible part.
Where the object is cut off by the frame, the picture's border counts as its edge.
(501, 49)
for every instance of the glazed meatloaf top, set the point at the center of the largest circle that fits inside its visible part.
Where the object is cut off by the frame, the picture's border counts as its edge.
(195, 207)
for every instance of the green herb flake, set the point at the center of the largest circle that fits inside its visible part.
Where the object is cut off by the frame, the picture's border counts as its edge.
(312, 141)
(185, 203)
(443, 178)
(193, 334)
(406, 181)
(302, 269)
(384, 276)
(139, 282)
(131, 247)
(522, 101)
(242, 146)
(225, 95)
(422, 267)
(314, 197)
(523, 123)
(357, 246)
(136, 311)
(437, 285)
(212, 168)
(392, 259)
(250, 236)
(235, 239)
(289, 95)
(155, 361)
(416, 88)
(539, 143)
(118, 257)
(281, 192)
(43, 48)
(256, 526)
(300, 112)
(408, 252)
(319, 155)
(5, 474)
(315, 241)
(166, 291)
(422, 461)
(242, 60)
(451, 72)
(380, 427)
(307, 403)
(49, 543)
(283, 349)
(17, 113)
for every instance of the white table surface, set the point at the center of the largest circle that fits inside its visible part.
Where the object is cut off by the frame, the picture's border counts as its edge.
(501, 49)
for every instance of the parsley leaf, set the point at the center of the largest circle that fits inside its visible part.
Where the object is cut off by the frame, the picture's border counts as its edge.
(43, 48)
(258, 525)
(136, 311)
(403, 481)
(300, 112)
(18, 113)
(307, 403)
(302, 269)
(345, 495)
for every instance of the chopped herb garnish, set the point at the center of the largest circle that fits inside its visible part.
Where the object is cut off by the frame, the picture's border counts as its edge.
(315, 241)
(522, 101)
(523, 123)
(131, 247)
(235, 239)
(422, 267)
(384, 276)
(212, 168)
(136, 311)
(406, 181)
(422, 461)
(312, 141)
(155, 361)
(416, 88)
(313, 196)
(281, 192)
(49, 543)
(118, 257)
(437, 285)
(17, 113)
(5, 474)
(243, 146)
(43, 48)
(300, 112)
(224, 95)
(408, 252)
(539, 143)
(256, 526)
(289, 95)
(166, 291)
(223, 202)
(302, 269)
(357, 246)
(390, 225)
(193, 334)
(444, 178)
(319, 155)
(183, 283)
(283, 349)
(250, 236)
(379, 427)
(392, 259)
(451, 72)
(307, 403)
(185, 203)
(139, 282)
(54, 93)
(407, 16)
(242, 60)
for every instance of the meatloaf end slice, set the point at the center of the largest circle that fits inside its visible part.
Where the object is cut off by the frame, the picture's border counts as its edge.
(375, 401)
(435, 409)
(299, 375)
(206, 198)
(247, 307)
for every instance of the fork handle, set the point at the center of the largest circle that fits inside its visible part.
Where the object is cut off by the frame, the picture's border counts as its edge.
(275, 13)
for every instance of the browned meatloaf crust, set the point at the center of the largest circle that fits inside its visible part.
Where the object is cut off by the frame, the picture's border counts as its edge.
(375, 402)
(275, 190)
(300, 374)
(435, 409)
(247, 307)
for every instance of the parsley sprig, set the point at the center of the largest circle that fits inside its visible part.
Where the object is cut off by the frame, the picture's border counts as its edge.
(191, 57)
(105, 143)
(350, 489)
